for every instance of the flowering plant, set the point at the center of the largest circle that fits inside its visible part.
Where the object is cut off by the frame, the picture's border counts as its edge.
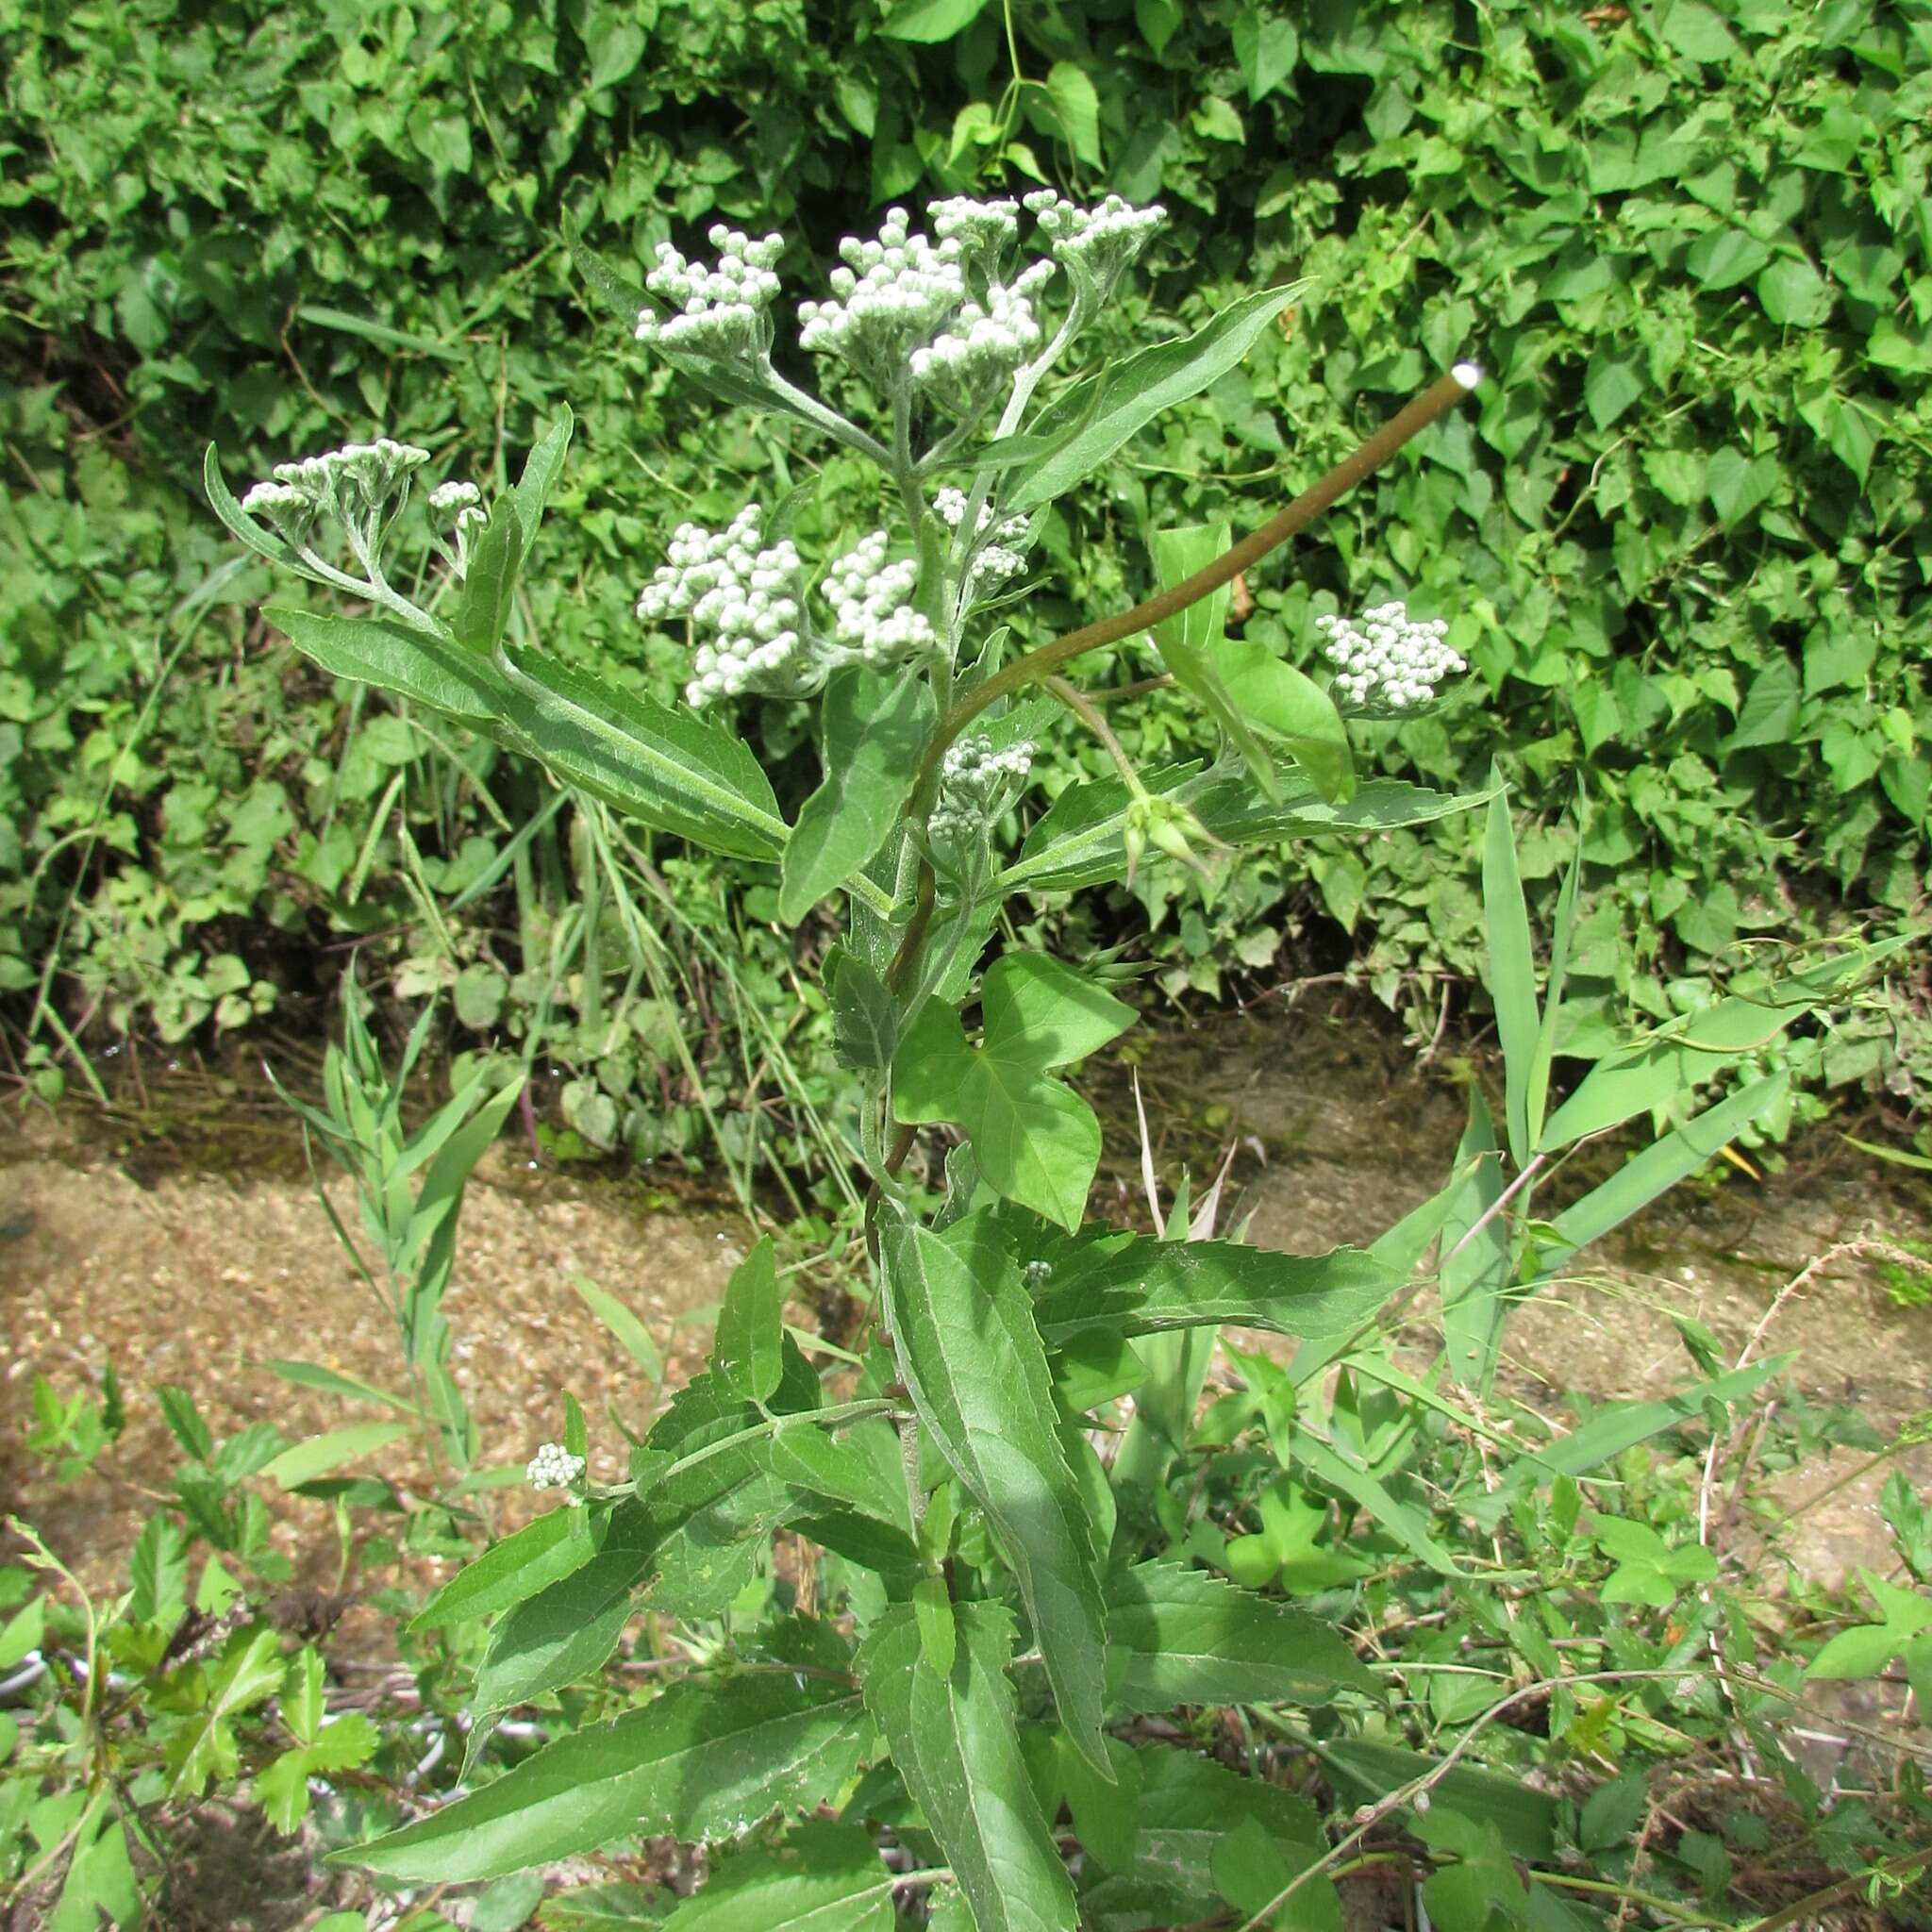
(952, 1489)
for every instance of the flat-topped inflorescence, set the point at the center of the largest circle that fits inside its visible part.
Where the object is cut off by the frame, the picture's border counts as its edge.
(350, 484)
(743, 598)
(1388, 661)
(976, 784)
(872, 604)
(721, 311)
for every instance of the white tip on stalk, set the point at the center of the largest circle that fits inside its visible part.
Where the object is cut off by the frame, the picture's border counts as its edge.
(1467, 373)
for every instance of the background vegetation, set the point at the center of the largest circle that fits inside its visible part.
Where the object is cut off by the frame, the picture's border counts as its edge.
(1683, 542)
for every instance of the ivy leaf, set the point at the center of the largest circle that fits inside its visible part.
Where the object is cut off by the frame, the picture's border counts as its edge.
(874, 729)
(1266, 46)
(282, 1790)
(702, 1762)
(865, 1020)
(955, 1742)
(930, 21)
(975, 1362)
(750, 1358)
(1037, 1142)
(1865, 1649)
(1078, 107)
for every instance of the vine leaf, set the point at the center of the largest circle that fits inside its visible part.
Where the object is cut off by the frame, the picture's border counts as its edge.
(1037, 1142)
(955, 1742)
(975, 1362)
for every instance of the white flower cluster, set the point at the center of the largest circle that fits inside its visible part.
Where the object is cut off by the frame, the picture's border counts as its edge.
(872, 609)
(554, 1467)
(1387, 660)
(976, 784)
(985, 343)
(745, 595)
(997, 559)
(715, 311)
(351, 483)
(984, 229)
(892, 293)
(466, 501)
(1095, 244)
(1039, 1273)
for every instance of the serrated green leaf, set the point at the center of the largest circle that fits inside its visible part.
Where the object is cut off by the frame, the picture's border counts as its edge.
(749, 1358)
(490, 580)
(700, 1762)
(865, 1018)
(541, 468)
(953, 1741)
(544, 1551)
(1131, 1284)
(969, 1351)
(1182, 1635)
(406, 663)
(668, 769)
(824, 1878)
(1131, 393)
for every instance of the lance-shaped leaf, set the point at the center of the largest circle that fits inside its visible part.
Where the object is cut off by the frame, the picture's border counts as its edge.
(1181, 1636)
(1131, 1284)
(543, 1551)
(541, 468)
(1474, 1272)
(824, 1878)
(1659, 1069)
(565, 1631)
(669, 769)
(1512, 974)
(1037, 1142)
(489, 582)
(1231, 811)
(968, 1350)
(874, 728)
(703, 1761)
(953, 1741)
(751, 1326)
(406, 663)
(1132, 393)
(1661, 1165)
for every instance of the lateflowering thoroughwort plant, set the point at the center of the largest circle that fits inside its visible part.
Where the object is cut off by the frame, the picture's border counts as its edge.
(985, 1624)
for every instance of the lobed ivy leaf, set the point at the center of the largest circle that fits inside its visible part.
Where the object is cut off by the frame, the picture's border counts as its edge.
(1036, 1141)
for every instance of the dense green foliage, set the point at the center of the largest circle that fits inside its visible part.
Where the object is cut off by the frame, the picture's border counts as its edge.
(1683, 543)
